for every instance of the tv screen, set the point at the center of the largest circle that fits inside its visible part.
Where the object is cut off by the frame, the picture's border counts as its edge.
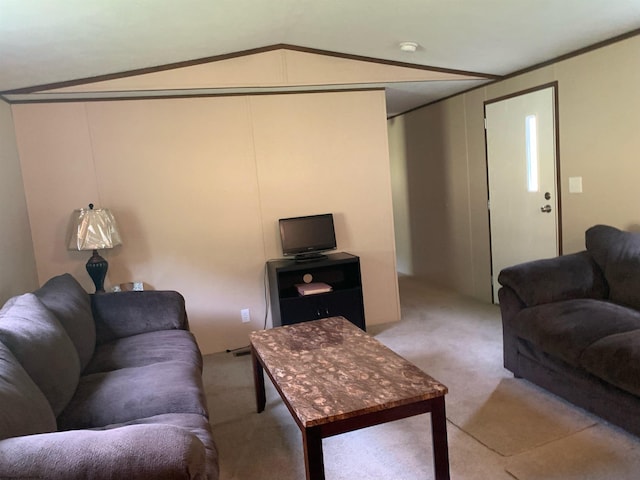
(307, 236)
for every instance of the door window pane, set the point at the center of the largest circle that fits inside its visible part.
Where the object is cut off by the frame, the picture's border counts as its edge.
(531, 126)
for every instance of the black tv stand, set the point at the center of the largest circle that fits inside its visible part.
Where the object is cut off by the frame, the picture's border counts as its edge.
(339, 270)
(310, 257)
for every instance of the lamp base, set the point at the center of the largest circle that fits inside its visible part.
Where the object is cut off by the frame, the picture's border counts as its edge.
(97, 270)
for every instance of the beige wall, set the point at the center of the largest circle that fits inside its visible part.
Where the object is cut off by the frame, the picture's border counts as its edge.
(439, 166)
(17, 263)
(600, 139)
(197, 186)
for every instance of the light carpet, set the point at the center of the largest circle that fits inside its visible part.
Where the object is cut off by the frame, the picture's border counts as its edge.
(499, 427)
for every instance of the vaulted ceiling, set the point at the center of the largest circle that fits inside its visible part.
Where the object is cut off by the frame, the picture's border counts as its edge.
(461, 43)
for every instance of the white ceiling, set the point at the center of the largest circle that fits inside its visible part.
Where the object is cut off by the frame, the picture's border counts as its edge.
(49, 41)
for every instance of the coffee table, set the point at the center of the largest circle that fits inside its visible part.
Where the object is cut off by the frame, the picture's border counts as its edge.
(335, 378)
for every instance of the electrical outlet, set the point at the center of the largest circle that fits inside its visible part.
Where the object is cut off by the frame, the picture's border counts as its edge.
(245, 315)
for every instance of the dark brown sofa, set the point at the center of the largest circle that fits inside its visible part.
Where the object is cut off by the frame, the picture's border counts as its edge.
(571, 325)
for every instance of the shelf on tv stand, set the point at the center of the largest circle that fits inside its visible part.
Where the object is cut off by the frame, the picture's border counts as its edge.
(340, 270)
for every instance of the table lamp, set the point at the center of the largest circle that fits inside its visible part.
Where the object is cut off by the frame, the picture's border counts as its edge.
(94, 229)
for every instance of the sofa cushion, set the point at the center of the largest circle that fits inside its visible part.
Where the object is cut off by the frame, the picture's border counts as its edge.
(196, 424)
(618, 255)
(129, 393)
(616, 359)
(24, 409)
(555, 279)
(137, 452)
(565, 329)
(123, 314)
(146, 349)
(71, 305)
(43, 348)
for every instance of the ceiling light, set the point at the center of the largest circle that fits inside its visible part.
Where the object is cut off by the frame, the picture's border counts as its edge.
(408, 46)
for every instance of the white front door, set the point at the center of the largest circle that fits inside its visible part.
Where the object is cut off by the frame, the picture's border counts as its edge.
(522, 175)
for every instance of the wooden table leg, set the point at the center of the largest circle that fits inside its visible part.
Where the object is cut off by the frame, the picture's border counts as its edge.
(439, 435)
(313, 458)
(258, 381)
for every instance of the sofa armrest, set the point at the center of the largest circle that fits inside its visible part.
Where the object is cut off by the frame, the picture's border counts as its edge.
(132, 452)
(124, 314)
(555, 279)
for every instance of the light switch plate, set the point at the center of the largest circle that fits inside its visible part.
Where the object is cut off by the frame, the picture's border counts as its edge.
(575, 184)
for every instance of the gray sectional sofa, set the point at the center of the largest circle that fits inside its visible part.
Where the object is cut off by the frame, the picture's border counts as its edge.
(105, 386)
(571, 324)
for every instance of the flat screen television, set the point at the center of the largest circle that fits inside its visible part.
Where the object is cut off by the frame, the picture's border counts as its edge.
(307, 237)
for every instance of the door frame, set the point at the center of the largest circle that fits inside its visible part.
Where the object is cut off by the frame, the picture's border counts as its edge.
(556, 113)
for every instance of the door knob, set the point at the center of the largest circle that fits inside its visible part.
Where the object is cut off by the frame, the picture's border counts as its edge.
(545, 209)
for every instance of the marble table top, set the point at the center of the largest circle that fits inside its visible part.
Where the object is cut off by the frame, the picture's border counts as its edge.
(329, 370)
